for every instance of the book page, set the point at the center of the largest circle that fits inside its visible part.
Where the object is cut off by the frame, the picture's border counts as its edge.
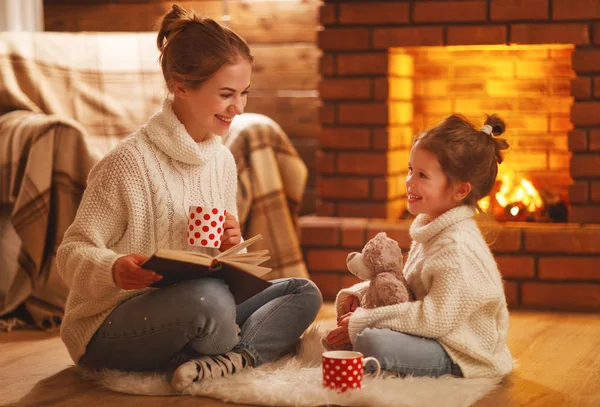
(257, 257)
(190, 257)
(255, 261)
(258, 271)
(235, 249)
(230, 256)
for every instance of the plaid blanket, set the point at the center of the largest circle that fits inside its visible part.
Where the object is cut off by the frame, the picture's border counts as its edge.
(269, 201)
(65, 101)
(44, 186)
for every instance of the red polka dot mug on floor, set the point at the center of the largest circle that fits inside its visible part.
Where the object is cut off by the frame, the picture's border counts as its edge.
(205, 226)
(343, 370)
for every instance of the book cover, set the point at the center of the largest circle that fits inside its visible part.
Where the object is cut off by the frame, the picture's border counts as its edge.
(240, 271)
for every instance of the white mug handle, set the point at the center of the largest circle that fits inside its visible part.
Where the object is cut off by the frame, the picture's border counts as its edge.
(377, 370)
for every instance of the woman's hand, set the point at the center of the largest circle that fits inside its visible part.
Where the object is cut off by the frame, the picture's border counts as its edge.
(350, 304)
(128, 274)
(232, 234)
(340, 335)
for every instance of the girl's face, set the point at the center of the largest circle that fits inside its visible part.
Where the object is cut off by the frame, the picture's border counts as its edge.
(211, 107)
(428, 188)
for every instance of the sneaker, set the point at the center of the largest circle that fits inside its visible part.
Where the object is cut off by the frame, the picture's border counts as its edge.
(207, 367)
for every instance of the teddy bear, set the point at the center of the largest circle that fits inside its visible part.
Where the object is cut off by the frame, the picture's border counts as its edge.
(380, 262)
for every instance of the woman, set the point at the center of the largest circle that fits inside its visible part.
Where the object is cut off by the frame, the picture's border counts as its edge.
(136, 202)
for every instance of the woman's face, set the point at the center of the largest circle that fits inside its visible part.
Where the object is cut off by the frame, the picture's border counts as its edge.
(211, 107)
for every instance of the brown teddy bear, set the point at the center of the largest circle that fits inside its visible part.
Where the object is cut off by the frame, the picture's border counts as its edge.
(381, 263)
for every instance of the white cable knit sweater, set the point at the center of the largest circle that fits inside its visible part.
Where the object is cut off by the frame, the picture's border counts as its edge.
(459, 294)
(136, 201)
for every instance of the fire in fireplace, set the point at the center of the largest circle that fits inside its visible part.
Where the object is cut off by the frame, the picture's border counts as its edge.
(515, 198)
(527, 85)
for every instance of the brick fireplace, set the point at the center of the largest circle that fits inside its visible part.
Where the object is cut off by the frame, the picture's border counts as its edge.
(392, 68)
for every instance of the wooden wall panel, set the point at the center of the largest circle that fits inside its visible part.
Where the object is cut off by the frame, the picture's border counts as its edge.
(102, 17)
(258, 21)
(290, 67)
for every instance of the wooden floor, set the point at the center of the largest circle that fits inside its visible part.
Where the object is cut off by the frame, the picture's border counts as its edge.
(558, 365)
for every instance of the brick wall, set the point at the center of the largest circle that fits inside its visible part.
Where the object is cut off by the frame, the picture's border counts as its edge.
(374, 99)
(366, 135)
(544, 266)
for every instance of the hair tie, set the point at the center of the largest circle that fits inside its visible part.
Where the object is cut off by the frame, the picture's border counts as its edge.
(487, 129)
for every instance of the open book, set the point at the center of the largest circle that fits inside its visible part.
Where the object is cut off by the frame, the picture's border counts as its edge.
(241, 271)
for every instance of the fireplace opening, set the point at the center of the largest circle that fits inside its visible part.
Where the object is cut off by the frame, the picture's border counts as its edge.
(527, 85)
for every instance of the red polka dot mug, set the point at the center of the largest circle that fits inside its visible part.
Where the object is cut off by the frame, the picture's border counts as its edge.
(205, 226)
(343, 370)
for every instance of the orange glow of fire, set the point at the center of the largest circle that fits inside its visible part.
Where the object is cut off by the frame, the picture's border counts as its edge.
(514, 190)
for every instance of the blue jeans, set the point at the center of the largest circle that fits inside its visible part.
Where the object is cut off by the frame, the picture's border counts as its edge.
(164, 328)
(407, 354)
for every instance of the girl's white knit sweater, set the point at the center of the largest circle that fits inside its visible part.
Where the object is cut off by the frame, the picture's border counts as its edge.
(136, 201)
(459, 294)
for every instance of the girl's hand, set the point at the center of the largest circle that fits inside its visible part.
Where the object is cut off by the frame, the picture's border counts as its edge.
(350, 304)
(340, 336)
(128, 274)
(232, 234)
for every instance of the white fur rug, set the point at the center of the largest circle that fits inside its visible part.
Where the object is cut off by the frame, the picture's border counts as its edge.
(296, 381)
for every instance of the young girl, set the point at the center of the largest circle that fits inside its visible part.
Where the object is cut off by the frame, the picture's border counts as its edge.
(136, 202)
(459, 321)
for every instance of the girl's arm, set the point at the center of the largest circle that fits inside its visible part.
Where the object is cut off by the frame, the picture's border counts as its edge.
(454, 295)
(357, 290)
